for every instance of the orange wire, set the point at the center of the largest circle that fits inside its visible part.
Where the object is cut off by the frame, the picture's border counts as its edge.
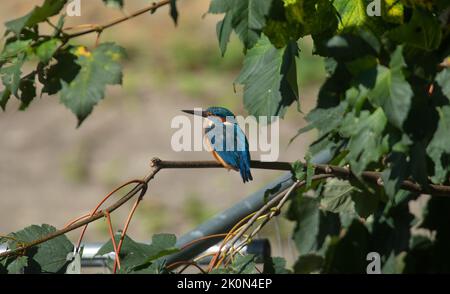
(113, 240)
(98, 206)
(183, 262)
(235, 227)
(124, 231)
(203, 238)
(77, 219)
(430, 89)
(223, 257)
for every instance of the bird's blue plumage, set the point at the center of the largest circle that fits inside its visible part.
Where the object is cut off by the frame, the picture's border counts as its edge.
(228, 141)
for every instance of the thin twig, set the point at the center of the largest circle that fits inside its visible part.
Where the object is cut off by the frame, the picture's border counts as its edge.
(152, 7)
(231, 233)
(127, 223)
(274, 211)
(281, 199)
(91, 219)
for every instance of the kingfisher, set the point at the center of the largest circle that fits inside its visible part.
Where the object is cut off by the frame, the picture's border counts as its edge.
(222, 130)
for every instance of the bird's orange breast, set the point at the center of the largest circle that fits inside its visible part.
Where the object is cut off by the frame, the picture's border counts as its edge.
(218, 158)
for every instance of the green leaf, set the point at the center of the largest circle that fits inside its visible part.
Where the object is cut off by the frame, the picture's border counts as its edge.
(348, 47)
(246, 17)
(244, 264)
(443, 80)
(298, 169)
(66, 69)
(325, 120)
(11, 74)
(4, 97)
(312, 224)
(394, 175)
(390, 226)
(392, 92)
(309, 171)
(394, 264)
(366, 199)
(335, 86)
(352, 14)
(307, 227)
(157, 267)
(275, 265)
(437, 219)
(12, 49)
(439, 147)
(174, 11)
(311, 16)
(48, 257)
(59, 25)
(37, 15)
(348, 199)
(99, 68)
(27, 89)
(423, 31)
(114, 3)
(134, 254)
(224, 29)
(131, 254)
(46, 50)
(74, 267)
(162, 245)
(337, 196)
(348, 254)
(17, 265)
(269, 78)
(366, 142)
(308, 263)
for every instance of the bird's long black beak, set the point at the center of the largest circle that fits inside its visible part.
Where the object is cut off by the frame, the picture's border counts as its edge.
(201, 113)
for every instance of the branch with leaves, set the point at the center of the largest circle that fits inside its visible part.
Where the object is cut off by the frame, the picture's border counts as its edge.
(324, 171)
(78, 74)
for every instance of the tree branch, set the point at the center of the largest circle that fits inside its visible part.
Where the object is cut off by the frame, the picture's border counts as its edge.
(336, 171)
(86, 221)
(158, 164)
(153, 7)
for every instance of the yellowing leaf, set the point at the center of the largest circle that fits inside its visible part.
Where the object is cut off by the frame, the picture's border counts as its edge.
(99, 68)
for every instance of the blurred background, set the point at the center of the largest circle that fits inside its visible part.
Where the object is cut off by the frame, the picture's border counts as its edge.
(52, 172)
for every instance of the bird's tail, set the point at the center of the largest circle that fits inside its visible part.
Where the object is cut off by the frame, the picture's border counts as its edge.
(244, 169)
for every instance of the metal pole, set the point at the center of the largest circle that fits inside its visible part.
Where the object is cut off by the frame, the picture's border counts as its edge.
(224, 221)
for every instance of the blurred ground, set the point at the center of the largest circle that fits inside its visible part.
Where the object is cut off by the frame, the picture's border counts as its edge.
(51, 172)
